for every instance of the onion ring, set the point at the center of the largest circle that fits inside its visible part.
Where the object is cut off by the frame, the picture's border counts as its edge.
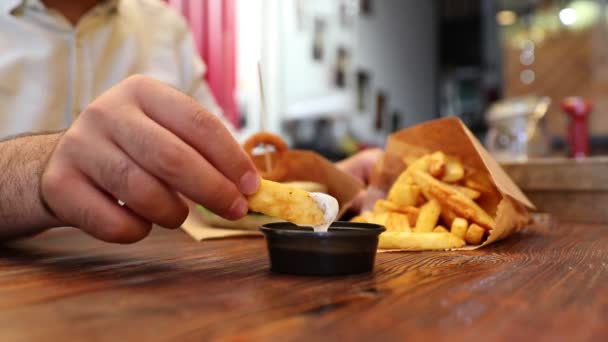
(265, 138)
(278, 171)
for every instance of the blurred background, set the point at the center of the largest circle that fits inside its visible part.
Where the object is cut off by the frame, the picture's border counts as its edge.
(341, 75)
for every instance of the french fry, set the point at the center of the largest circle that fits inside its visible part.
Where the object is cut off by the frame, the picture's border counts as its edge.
(471, 184)
(419, 241)
(413, 217)
(437, 164)
(421, 199)
(454, 171)
(379, 218)
(421, 163)
(479, 181)
(470, 193)
(447, 215)
(459, 227)
(450, 198)
(286, 202)
(388, 206)
(440, 229)
(404, 194)
(407, 210)
(404, 178)
(397, 222)
(364, 217)
(428, 217)
(359, 219)
(474, 234)
(384, 205)
(434, 192)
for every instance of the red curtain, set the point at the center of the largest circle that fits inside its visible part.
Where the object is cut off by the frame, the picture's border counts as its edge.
(214, 28)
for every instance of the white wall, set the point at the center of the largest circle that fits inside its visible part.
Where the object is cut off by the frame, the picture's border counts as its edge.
(397, 44)
(305, 78)
(258, 40)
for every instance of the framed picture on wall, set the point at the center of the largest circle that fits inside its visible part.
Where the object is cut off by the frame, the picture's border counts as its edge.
(348, 12)
(318, 41)
(363, 80)
(300, 14)
(379, 116)
(340, 68)
(365, 7)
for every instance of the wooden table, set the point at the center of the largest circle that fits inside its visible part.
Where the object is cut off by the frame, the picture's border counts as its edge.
(549, 283)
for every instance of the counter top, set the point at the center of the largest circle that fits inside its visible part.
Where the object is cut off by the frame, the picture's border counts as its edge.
(546, 282)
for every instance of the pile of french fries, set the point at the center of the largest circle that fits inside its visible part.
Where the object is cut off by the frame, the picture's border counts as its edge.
(432, 206)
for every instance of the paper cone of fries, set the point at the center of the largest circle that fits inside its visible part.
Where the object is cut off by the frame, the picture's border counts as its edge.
(290, 166)
(503, 205)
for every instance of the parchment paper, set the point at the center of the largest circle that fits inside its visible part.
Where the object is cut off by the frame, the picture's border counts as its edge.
(299, 166)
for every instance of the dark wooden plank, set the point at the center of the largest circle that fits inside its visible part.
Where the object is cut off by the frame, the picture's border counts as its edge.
(573, 190)
(549, 283)
(560, 174)
(576, 206)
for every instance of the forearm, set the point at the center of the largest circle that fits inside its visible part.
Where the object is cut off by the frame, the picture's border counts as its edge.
(22, 161)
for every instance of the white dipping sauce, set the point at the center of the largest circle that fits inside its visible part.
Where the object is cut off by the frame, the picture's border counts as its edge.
(330, 208)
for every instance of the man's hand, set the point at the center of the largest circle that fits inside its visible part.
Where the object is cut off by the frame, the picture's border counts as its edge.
(360, 165)
(144, 143)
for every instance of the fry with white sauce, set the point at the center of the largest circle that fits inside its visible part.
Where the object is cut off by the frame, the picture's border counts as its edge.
(419, 241)
(286, 202)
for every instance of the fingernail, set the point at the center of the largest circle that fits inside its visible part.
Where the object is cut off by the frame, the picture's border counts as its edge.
(239, 208)
(249, 183)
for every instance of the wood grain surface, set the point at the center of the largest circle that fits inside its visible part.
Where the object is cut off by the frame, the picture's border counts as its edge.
(545, 283)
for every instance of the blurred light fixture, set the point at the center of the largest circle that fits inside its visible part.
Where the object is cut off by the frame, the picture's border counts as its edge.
(506, 18)
(527, 76)
(567, 16)
(527, 45)
(527, 57)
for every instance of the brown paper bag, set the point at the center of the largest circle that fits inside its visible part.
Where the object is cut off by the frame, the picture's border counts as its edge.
(298, 166)
(507, 203)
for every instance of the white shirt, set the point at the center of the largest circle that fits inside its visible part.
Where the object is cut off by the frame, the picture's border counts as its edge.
(51, 70)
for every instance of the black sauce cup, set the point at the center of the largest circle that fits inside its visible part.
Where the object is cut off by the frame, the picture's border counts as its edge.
(346, 248)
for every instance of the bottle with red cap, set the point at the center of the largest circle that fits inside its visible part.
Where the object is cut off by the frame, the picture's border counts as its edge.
(578, 110)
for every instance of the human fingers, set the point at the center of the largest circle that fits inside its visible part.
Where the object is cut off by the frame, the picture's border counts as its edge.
(87, 207)
(175, 163)
(198, 128)
(118, 175)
